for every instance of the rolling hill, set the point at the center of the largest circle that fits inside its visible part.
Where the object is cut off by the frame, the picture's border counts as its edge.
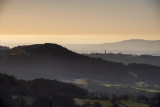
(37, 93)
(133, 46)
(52, 61)
(127, 58)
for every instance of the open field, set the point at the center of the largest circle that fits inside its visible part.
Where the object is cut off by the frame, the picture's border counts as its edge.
(112, 85)
(148, 90)
(103, 103)
(141, 89)
(133, 104)
(121, 103)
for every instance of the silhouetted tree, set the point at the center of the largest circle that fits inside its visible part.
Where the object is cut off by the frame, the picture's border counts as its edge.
(124, 97)
(3, 103)
(96, 104)
(87, 104)
(142, 99)
(155, 102)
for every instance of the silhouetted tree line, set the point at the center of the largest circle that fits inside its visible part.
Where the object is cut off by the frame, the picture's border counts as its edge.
(155, 101)
(115, 100)
(96, 104)
(127, 58)
(38, 93)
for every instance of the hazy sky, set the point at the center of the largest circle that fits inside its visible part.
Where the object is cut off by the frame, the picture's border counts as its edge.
(79, 21)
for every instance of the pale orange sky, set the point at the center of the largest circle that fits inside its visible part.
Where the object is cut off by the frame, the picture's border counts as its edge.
(14, 40)
(78, 21)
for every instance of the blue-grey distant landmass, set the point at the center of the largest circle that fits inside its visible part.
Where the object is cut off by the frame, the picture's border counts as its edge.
(133, 46)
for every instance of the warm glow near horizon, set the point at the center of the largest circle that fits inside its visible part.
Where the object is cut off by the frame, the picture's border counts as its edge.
(78, 21)
(14, 40)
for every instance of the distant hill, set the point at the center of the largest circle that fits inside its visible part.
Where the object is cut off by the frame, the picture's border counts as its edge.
(2, 48)
(52, 61)
(127, 58)
(133, 46)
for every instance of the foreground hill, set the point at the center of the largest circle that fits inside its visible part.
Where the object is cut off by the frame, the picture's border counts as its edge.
(128, 58)
(52, 61)
(133, 46)
(37, 93)
(52, 93)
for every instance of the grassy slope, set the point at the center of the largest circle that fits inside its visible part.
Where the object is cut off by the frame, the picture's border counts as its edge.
(133, 104)
(109, 104)
(103, 103)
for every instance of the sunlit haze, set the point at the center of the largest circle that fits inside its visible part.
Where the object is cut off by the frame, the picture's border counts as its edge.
(78, 21)
(13, 40)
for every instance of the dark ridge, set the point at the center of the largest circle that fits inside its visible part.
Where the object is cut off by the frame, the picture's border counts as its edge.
(51, 61)
(53, 51)
(19, 93)
(41, 49)
(3, 48)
